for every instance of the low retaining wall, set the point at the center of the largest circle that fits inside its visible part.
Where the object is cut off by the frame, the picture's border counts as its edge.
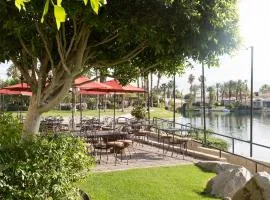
(194, 146)
(234, 159)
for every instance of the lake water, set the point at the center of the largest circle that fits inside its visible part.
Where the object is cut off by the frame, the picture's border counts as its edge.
(236, 125)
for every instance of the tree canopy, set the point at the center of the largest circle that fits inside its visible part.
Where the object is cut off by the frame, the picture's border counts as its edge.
(131, 37)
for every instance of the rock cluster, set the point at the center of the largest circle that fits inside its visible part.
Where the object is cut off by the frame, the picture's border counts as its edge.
(236, 182)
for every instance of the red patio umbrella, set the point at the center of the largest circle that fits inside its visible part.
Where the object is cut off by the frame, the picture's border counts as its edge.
(96, 86)
(132, 89)
(80, 80)
(19, 87)
(89, 92)
(15, 92)
(123, 89)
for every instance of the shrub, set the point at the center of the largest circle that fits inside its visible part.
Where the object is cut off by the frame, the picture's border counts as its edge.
(211, 140)
(138, 112)
(44, 167)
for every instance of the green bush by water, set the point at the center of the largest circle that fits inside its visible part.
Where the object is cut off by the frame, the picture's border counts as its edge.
(212, 141)
(44, 167)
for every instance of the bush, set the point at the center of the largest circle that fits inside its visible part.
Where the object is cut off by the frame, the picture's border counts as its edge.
(44, 167)
(138, 112)
(211, 140)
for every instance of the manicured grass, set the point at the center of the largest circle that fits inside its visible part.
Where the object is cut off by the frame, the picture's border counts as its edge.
(161, 113)
(164, 183)
(92, 113)
(87, 113)
(155, 112)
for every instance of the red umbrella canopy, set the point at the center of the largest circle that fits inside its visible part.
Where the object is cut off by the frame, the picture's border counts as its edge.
(15, 92)
(131, 89)
(19, 87)
(128, 88)
(95, 86)
(89, 92)
(81, 80)
(117, 87)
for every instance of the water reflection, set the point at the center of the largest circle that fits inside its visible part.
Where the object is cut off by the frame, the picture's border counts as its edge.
(236, 125)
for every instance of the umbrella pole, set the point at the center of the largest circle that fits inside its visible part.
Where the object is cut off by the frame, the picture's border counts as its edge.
(174, 96)
(21, 102)
(114, 110)
(99, 107)
(72, 109)
(81, 110)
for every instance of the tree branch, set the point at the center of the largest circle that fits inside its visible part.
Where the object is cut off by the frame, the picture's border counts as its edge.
(61, 53)
(72, 39)
(126, 58)
(45, 42)
(106, 40)
(25, 48)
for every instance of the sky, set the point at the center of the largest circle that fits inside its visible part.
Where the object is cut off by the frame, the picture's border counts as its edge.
(255, 31)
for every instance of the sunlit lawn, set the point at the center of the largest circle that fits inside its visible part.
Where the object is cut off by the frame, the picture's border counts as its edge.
(164, 183)
(155, 112)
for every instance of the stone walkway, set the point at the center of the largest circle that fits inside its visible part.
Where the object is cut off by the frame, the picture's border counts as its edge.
(142, 157)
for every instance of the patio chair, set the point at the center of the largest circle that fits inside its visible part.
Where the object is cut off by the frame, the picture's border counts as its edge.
(97, 144)
(181, 142)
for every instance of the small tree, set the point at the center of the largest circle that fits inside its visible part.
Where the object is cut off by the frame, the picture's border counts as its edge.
(131, 37)
(138, 112)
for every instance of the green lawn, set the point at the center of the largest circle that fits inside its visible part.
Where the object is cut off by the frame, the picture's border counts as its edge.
(161, 113)
(164, 183)
(155, 112)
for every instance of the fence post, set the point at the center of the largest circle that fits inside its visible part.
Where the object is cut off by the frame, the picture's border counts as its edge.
(256, 167)
(233, 145)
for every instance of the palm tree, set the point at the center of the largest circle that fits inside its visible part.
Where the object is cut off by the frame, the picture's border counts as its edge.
(246, 91)
(231, 83)
(170, 86)
(217, 89)
(265, 88)
(164, 87)
(191, 79)
(201, 79)
(212, 96)
(158, 79)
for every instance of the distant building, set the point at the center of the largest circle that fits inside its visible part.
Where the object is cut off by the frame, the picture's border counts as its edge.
(227, 102)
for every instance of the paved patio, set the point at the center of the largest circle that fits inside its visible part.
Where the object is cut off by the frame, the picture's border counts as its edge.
(142, 156)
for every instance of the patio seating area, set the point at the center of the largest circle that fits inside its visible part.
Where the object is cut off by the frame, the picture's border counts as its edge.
(125, 142)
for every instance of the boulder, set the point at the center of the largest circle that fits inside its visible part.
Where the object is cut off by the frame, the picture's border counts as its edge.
(226, 183)
(257, 188)
(215, 166)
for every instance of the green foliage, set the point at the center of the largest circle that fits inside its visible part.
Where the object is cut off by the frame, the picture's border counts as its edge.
(59, 11)
(44, 167)
(230, 106)
(138, 112)
(210, 139)
(10, 129)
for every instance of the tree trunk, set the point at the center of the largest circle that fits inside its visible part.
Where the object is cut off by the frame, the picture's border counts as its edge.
(32, 121)
(151, 90)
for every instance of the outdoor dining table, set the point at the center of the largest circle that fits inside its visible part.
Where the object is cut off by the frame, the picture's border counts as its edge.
(104, 134)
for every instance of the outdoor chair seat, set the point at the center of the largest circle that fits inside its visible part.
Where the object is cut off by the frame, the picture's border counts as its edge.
(128, 145)
(101, 146)
(126, 142)
(142, 133)
(118, 147)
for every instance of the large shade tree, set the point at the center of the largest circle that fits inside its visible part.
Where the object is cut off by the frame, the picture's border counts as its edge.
(132, 37)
